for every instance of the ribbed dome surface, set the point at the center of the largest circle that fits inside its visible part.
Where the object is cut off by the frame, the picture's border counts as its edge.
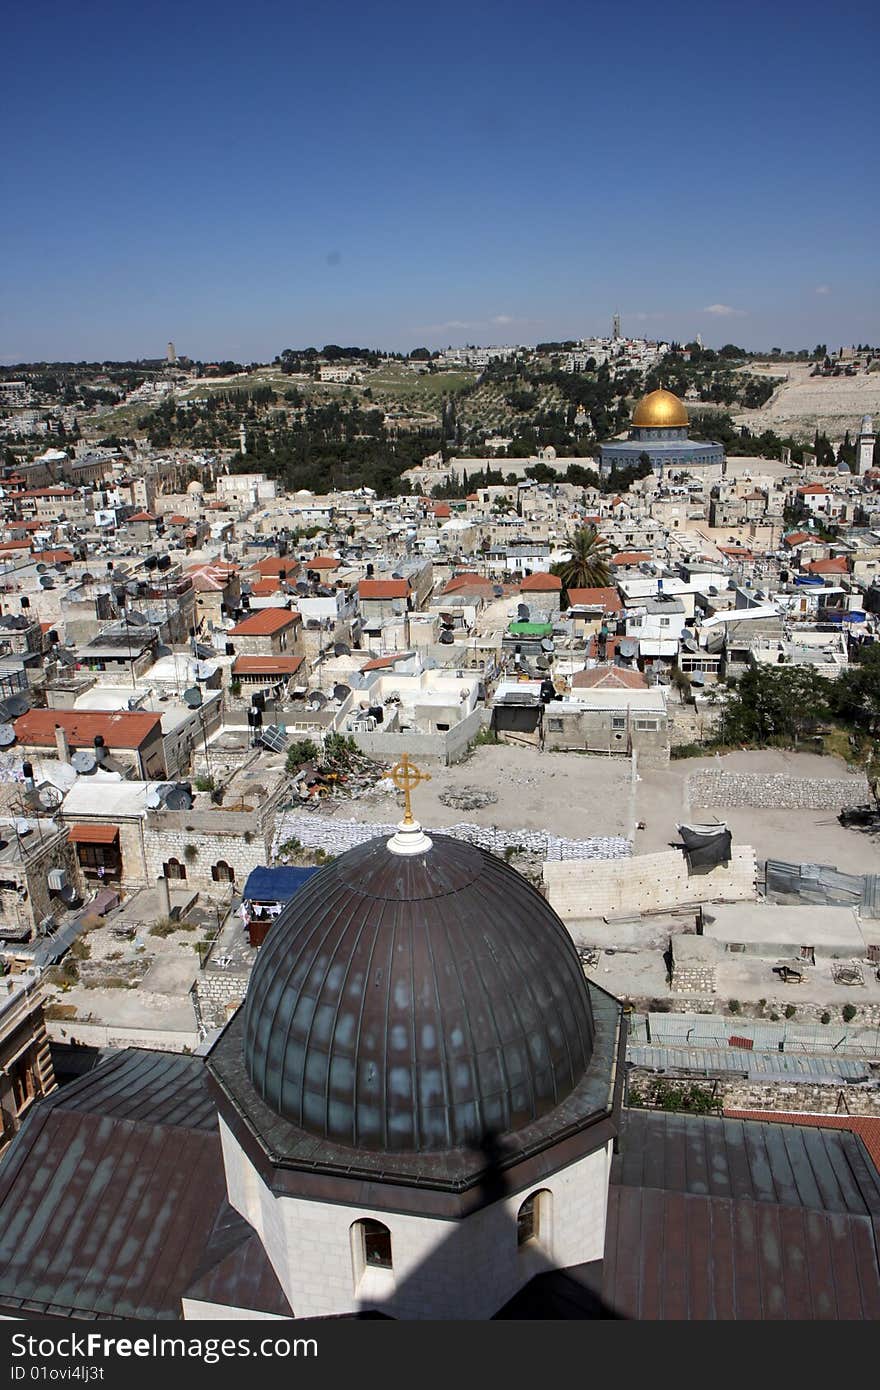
(660, 410)
(415, 1004)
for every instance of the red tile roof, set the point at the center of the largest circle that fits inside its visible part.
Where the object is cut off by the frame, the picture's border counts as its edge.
(53, 557)
(49, 492)
(541, 584)
(93, 834)
(277, 564)
(381, 663)
(838, 564)
(467, 580)
(383, 588)
(608, 598)
(440, 508)
(266, 665)
(609, 678)
(118, 728)
(264, 588)
(15, 545)
(323, 562)
(867, 1127)
(142, 516)
(264, 623)
(630, 557)
(812, 489)
(797, 538)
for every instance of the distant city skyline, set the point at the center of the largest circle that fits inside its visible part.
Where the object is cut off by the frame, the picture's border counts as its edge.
(241, 181)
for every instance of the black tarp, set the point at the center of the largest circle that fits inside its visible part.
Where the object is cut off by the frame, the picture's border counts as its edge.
(704, 848)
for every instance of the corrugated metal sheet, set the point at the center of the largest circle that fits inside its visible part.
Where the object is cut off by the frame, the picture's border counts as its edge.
(822, 884)
(760, 1066)
(715, 1030)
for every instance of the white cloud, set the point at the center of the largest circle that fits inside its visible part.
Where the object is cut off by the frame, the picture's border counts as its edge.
(724, 311)
(450, 323)
(823, 289)
(502, 320)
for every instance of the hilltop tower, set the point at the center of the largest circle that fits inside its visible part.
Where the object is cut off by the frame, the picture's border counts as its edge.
(865, 442)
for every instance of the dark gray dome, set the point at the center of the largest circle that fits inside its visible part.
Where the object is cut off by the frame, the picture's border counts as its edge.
(414, 1004)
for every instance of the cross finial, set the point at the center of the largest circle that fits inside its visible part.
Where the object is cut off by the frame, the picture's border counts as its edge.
(405, 776)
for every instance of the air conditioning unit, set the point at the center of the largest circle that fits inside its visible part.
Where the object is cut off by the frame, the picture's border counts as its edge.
(57, 880)
(363, 726)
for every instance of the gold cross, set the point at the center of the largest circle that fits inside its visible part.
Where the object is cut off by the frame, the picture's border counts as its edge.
(405, 775)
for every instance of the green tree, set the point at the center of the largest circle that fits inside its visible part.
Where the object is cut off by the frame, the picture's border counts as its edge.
(588, 567)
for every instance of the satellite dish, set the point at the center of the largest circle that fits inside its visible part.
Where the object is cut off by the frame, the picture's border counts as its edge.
(542, 663)
(342, 649)
(522, 613)
(83, 761)
(7, 735)
(136, 619)
(17, 705)
(23, 827)
(397, 575)
(192, 697)
(302, 587)
(154, 801)
(547, 645)
(447, 637)
(316, 699)
(498, 590)
(131, 587)
(46, 581)
(339, 692)
(49, 797)
(41, 569)
(179, 800)
(202, 671)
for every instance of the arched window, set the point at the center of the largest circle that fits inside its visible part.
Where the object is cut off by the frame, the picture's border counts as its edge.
(370, 1248)
(223, 872)
(174, 869)
(533, 1219)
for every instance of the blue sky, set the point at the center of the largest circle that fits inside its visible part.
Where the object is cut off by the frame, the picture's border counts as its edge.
(243, 178)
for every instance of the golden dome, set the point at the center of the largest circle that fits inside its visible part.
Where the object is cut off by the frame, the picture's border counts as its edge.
(660, 410)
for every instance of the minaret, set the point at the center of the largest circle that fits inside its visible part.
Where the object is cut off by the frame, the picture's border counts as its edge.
(171, 354)
(242, 438)
(865, 445)
(615, 327)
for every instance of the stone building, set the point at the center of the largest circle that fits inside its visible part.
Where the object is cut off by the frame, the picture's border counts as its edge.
(660, 430)
(26, 1072)
(269, 632)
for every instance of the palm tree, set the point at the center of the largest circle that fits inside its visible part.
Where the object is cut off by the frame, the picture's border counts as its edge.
(588, 566)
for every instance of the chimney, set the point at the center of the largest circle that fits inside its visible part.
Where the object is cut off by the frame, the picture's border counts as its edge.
(100, 750)
(62, 745)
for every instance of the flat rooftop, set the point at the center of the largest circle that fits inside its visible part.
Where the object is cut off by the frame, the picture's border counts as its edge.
(775, 924)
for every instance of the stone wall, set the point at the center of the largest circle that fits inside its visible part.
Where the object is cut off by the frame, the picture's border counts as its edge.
(776, 1095)
(448, 747)
(218, 993)
(693, 979)
(716, 790)
(335, 836)
(646, 883)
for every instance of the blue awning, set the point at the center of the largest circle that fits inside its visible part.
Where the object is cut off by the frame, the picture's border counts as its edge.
(278, 885)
